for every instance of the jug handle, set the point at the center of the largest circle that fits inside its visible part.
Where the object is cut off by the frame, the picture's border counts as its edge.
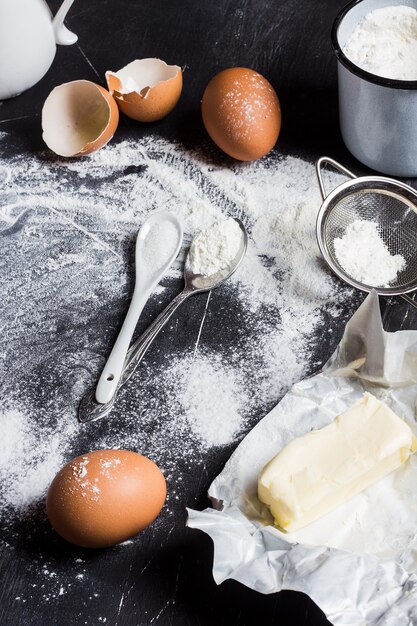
(62, 35)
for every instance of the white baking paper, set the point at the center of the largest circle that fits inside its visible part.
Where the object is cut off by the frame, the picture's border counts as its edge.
(359, 562)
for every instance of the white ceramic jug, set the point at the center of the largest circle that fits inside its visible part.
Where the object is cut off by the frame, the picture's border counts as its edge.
(28, 38)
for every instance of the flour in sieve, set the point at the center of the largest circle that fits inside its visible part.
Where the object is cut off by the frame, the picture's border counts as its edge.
(363, 255)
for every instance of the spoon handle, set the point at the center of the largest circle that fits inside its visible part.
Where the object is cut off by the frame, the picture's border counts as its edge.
(138, 350)
(89, 409)
(112, 371)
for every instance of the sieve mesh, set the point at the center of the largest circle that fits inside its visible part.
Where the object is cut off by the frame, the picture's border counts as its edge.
(392, 210)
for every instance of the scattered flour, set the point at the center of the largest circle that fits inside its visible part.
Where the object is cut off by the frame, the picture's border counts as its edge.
(247, 105)
(364, 256)
(215, 248)
(385, 43)
(68, 232)
(27, 461)
(211, 398)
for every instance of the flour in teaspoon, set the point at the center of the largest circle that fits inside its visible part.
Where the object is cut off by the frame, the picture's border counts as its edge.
(160, 244)
(215, 248)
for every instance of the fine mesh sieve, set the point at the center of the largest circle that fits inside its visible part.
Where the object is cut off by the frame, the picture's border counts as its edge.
(388, 202)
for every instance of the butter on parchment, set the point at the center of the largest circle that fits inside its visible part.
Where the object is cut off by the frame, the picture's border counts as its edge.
(315, 473)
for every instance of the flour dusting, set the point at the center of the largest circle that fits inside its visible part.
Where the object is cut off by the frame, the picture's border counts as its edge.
(69, 229)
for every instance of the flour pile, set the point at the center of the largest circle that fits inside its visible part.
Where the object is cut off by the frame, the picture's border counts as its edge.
(215, 248)
(362, 253)
(68, 233)
(385, 43)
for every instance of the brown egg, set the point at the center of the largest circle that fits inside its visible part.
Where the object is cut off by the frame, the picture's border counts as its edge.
(241, 113)
(78, 118)
(104, 497)
(146, 90)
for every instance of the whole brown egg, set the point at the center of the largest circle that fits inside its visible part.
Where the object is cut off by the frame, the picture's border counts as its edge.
(105, 497)
(241, 113)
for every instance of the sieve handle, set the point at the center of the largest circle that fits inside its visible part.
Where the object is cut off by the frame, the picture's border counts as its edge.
(336, 165)
(409, 300)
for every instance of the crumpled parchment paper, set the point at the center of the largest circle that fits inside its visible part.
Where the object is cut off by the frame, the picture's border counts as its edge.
(359, 562)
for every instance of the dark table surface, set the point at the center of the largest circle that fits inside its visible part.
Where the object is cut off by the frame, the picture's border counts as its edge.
(164, 575)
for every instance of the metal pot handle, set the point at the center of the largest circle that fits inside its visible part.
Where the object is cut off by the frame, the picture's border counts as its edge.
(336, 165)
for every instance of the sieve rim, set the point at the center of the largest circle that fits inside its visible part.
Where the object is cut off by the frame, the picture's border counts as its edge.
(325, 209)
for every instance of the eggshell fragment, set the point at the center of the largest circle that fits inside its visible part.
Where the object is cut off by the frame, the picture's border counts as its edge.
(241, 113)
(146, 89)
(78, 118)
(104, 497)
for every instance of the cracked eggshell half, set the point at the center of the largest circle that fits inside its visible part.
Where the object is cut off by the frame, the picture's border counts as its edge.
(78, 118)
(146, 90)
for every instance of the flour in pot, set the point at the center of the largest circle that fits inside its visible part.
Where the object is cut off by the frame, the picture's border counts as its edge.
(385, 43)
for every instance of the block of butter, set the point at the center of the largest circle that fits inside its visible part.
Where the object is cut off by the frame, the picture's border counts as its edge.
(315, 473)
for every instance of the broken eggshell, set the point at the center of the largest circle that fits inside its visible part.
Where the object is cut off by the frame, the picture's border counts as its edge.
(78, 118)
(146, 90)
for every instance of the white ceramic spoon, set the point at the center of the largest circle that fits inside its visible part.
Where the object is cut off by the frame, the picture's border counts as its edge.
(147, 277)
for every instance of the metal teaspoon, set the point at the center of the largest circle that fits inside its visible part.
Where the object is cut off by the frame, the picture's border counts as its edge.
(89, 409)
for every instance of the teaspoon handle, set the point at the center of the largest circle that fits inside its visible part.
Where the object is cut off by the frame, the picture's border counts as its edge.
(138, 350)
(89, 409)
(113, 368)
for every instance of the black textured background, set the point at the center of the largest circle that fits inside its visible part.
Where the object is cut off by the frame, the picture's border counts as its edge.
(165, 577)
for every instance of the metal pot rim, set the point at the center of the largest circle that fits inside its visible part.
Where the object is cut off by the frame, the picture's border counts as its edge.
(372, 78)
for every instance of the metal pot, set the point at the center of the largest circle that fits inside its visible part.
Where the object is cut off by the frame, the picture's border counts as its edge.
(378, 116)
